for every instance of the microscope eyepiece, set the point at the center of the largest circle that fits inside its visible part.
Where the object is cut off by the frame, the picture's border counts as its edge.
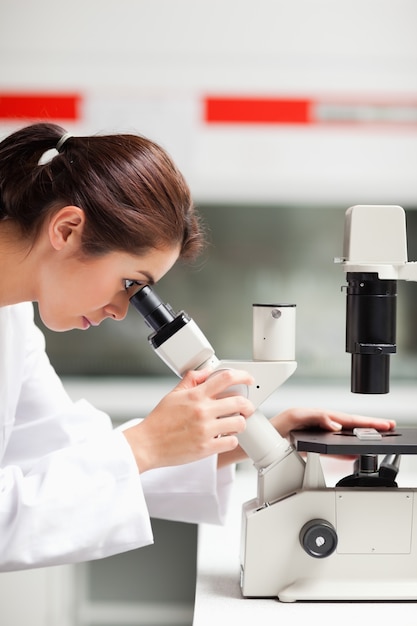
(159, 316)
(175, 337)
(155, 313)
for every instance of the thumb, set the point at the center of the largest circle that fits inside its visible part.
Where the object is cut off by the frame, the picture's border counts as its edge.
(192, 379)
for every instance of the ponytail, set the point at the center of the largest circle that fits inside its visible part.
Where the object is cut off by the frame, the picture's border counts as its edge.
(20, 154)
(133, 196)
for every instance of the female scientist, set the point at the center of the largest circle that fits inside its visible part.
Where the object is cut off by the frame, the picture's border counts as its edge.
(79, 235)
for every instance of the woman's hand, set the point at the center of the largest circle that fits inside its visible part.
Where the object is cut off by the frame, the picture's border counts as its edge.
(185, 425)
(300, 418)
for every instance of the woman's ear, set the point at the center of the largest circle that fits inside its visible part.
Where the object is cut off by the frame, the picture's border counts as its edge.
(66, 227)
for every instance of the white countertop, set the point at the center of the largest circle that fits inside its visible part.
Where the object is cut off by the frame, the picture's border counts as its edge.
(218, 599)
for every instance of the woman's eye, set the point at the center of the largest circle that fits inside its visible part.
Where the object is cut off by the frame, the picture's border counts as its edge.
(131, 283)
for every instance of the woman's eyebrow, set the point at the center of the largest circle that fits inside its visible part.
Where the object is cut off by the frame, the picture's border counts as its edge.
(149, 278)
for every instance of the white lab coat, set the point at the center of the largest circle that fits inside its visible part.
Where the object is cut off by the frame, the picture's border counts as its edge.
(69, 486)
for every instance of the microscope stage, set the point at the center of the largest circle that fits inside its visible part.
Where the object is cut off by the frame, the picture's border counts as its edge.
(345, 442)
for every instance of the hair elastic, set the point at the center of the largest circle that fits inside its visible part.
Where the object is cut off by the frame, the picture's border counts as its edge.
(61, 141)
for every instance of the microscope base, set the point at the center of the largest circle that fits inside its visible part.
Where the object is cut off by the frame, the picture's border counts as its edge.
(350, 590)
(332, 545)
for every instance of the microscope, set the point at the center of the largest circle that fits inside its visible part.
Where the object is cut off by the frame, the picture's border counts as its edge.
(181, 344)
(302, 540)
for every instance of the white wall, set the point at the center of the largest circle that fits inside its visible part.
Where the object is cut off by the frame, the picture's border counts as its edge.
(147, 65)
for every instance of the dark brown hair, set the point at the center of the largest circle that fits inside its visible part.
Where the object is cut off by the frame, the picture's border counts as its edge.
(133, 196)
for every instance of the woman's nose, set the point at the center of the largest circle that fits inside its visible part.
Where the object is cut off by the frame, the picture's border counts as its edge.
(117, 309)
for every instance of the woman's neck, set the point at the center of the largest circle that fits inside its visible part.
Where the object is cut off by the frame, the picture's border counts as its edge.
(16, 263)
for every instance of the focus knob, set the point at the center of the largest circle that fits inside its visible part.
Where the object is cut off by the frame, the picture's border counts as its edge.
(318, 538)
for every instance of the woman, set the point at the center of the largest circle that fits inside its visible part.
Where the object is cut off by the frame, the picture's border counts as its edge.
(79, 234)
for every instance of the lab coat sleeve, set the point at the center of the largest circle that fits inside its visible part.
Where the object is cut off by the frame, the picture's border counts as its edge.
(196, 492)
(79, 503)
(69, 486)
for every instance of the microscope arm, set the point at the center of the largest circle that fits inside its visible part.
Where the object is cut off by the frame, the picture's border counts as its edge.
(180, 343)
(280, 468)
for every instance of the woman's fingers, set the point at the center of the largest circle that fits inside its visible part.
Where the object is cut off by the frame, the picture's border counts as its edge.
(200, 417)
(300, 418)
(221, 393)
(216, 381)
(347, 420)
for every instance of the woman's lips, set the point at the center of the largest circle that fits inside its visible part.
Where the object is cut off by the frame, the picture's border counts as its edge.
(86, 323)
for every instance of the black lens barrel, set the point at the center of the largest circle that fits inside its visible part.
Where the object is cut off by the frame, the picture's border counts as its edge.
(155, 313)
(370, 330)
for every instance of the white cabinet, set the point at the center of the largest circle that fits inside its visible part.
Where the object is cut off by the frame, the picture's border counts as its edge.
(40, 597)
(154, 586)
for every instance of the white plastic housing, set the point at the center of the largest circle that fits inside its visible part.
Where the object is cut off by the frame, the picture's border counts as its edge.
(375, 234)
(274, 332)
(188, 349)
(375, 240)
